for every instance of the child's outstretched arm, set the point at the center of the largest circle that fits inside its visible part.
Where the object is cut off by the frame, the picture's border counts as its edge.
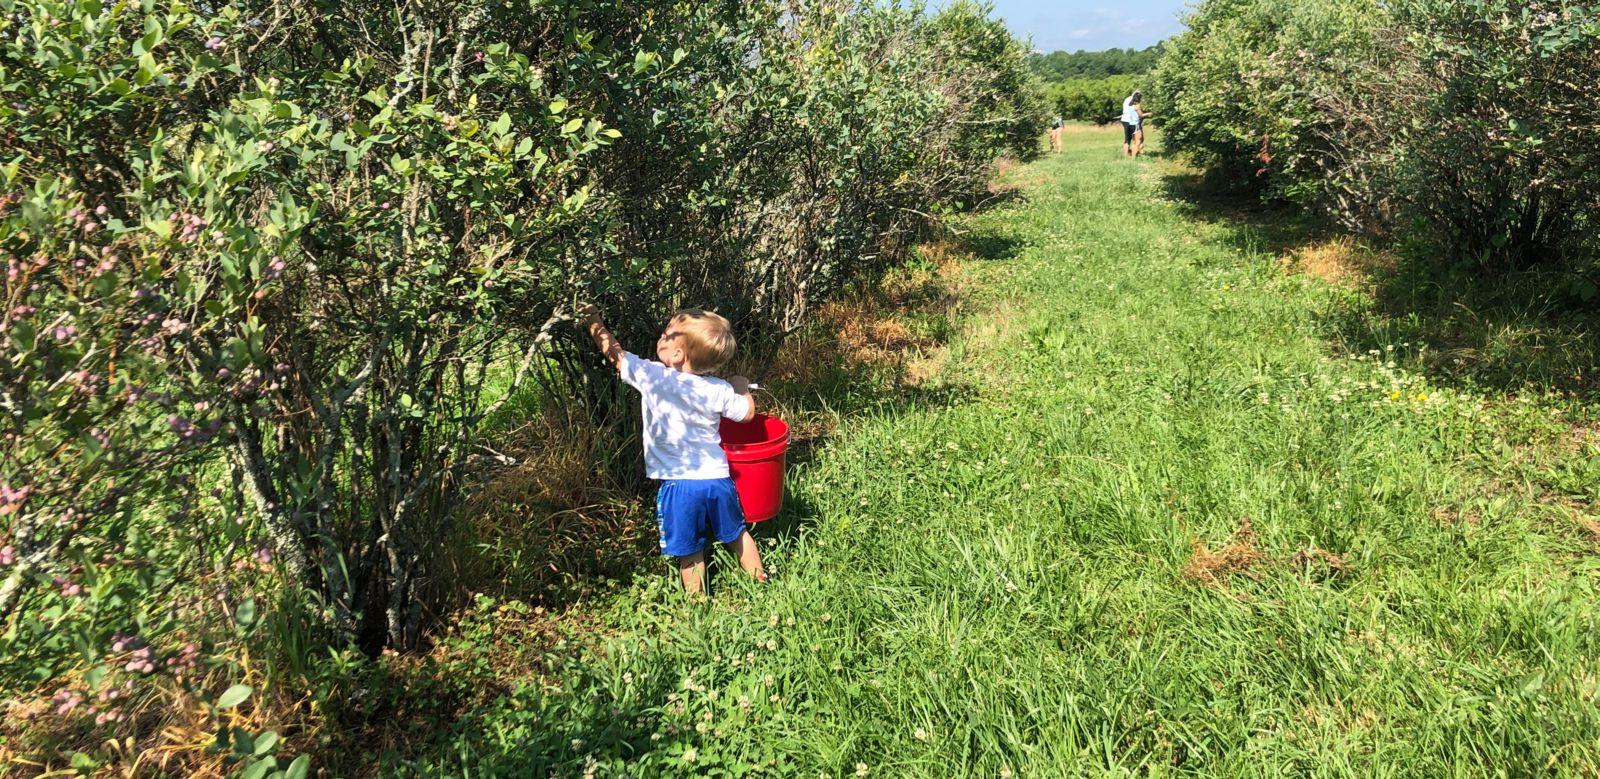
(589, 317)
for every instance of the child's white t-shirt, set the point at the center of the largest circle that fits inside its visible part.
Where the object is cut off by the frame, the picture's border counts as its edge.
(682, 412)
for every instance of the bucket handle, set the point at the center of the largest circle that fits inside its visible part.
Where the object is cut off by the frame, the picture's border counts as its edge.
(782, 409)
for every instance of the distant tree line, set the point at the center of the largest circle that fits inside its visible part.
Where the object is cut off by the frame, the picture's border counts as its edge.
(1061, 65)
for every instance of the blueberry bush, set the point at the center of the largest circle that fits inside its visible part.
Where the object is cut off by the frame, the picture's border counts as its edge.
(271, 264)
(1097, 100)
(1464, 118)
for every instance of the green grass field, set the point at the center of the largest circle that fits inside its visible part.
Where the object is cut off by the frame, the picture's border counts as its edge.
(1160, 520)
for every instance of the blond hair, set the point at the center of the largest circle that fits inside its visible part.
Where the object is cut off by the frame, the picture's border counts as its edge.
(707, 338)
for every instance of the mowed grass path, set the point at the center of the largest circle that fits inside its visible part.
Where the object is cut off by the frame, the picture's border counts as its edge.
(1009, 583)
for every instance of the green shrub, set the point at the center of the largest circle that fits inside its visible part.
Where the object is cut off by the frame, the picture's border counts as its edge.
(1097, 100)
(270, 266)
(1465, 118)
(1499, 144)
(1243, 88)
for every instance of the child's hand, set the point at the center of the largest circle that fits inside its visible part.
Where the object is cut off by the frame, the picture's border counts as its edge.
(741, 385)
(588, 314)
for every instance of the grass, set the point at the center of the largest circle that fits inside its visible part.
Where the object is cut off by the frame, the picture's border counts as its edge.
(1151, 514)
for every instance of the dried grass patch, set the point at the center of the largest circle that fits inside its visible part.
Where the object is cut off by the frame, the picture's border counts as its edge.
(1342, 260)
(1450, 515)
(169, 731)
(872, 328)
(1241, 556)
(546, 524)
(1210, 568)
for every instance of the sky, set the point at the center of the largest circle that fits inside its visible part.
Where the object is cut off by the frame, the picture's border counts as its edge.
(1070, 25)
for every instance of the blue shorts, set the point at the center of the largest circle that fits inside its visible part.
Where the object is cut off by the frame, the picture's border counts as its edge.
(691, 512)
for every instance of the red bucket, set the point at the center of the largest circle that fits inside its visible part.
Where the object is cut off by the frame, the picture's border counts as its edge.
(755, 452)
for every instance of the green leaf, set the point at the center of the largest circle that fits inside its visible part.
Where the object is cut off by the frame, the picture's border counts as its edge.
(148, 69)
(23, 335)
(571, 127)
(558, 105)
(297, 769)
(234, 696)
(265, 742)
(246, 613)
(259, 769)
(83, 763)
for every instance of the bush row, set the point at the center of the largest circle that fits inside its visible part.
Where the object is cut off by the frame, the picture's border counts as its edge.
(270, 266)
(1097, 100)
(1465, 118)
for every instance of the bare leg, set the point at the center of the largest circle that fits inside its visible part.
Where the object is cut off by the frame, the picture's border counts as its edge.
(744, 548)
(693, 570)
(1138, 143)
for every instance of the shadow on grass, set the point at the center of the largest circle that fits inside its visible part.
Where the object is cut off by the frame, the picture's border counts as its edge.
(1250, 225)
(999, 198)
(989, 246)
(1505, 332)
(1514, 332)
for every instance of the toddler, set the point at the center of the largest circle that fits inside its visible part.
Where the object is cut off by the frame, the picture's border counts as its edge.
(683, 408)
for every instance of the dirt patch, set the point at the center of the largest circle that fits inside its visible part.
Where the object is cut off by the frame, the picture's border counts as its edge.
(1451, 515)
(1583, 439)
(1210, 568)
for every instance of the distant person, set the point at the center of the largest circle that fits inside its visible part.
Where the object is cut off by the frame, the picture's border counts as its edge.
(1133, 116)
(1055, 134)
(683, 407)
